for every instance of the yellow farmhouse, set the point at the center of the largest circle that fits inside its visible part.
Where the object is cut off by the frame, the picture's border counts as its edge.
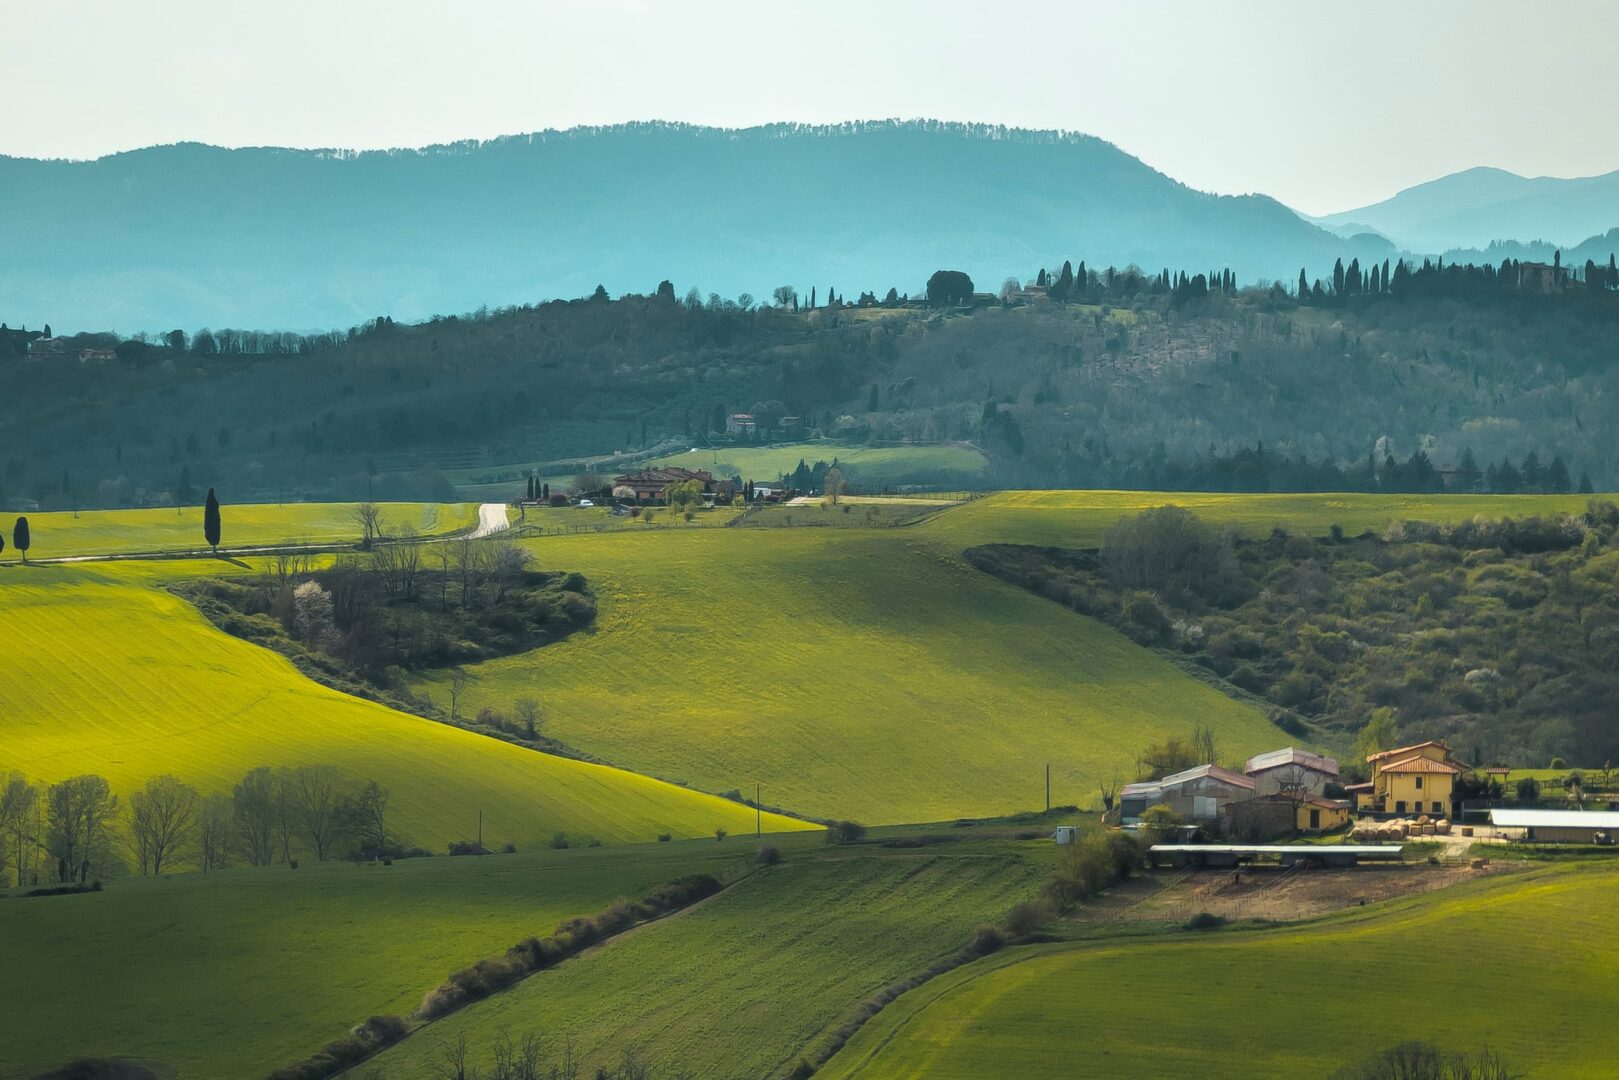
(1419, 779)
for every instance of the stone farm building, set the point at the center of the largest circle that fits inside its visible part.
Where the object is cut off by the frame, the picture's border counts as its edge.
(1195, 794)
(652, 485)
(1291, 771)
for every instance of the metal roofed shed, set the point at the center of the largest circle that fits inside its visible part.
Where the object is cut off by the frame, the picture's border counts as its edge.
(1228, 855)
(1560, 826)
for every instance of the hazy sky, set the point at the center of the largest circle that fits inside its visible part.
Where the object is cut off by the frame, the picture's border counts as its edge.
(1324, 106)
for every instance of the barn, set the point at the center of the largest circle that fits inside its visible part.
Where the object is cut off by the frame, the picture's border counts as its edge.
(1560, 826)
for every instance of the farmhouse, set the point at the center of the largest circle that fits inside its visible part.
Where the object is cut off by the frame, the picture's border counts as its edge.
(741, 424)
(1417, 779)
(1265, 817)
(652, 485)
(1291, 772)
(1560, 826)
(1195, 794)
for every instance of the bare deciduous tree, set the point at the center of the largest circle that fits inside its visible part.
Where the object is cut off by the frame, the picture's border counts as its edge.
(162, 822)
(19, 827)
(369, 516)
(79, 815)
(529, 714)
(319, 793)
(254, 815)
(213, 833)
(458, 686)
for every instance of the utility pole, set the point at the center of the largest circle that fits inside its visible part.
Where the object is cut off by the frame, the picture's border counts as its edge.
(1048, 787)
(480, 833)
(758, 811)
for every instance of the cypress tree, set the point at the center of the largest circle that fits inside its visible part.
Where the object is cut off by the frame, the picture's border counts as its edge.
(1304, 284)
(20, 538)
(210, 521)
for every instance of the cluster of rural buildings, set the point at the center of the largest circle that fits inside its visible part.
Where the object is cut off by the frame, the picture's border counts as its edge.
(1293, 791)
(650, 487)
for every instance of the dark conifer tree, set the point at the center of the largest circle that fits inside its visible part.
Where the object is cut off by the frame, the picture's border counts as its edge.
(20, 539)
(210, 521)
(1304, 285)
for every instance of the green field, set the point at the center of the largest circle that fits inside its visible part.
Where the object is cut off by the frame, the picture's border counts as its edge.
(105, 675)
(853, 672)
(106, 532)
(743, 984)
(227, 975)
(1524, 964)
(866, 466)
(1079, 518)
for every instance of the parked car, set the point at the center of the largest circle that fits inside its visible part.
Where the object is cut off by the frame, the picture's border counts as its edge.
(585, 504)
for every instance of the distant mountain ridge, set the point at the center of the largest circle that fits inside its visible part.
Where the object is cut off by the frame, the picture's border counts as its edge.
(1472, 208)
(190, 235)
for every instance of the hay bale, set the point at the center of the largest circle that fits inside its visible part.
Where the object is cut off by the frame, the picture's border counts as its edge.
(1442, 827)
(1467, 830)
(1428, 829)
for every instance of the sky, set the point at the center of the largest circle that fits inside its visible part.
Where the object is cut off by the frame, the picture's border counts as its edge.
(1326, 107)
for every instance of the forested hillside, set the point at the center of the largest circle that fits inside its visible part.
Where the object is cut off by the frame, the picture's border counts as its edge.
(1382, 379)
(195, 235)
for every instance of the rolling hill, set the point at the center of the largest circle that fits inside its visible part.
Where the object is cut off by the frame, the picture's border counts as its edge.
(154, 238)
(1223, 1003)
(309, 953)
(853, 672)
(105, 674)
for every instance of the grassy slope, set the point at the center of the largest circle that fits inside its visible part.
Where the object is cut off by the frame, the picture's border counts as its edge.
(103, 675)
(103, 532)
(226, 975)
(1079, 518)
(739, 986)
(872, 466)
(1519, 965)
(855, 673)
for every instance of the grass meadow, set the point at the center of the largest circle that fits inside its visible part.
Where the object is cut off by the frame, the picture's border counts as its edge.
(107, 532)
(104, 673)
(230, 974)
(853, 672)
(1524, 964)
(1077, 519)
(866, 466)
(745, 983)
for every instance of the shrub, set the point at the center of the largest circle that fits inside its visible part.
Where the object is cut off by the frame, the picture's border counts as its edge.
(768, 855)
(986, 939)
(1203, 920)
(1026, 917)
(845, 832)
(508, 848)
(720, 833)
(664, 838)
(559, 840)
(467, 847)
(339, 1054)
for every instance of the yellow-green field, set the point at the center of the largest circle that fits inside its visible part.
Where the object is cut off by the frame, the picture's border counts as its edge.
(853, 672)
(1079, 518)
(108, 532)
(1524, 964)
(228, 975)
(869, 466)
(743, 985)
(106, 674)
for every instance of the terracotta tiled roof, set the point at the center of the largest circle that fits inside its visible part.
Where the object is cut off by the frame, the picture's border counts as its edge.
(1416, 763)
(1402, 751)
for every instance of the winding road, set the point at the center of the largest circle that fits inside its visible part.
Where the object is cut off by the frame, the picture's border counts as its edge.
(491, 519)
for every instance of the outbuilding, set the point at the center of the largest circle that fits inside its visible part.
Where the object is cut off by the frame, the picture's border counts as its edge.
(1560, 826)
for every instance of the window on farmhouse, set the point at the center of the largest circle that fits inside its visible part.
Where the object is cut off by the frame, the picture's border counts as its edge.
(1419, 783)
